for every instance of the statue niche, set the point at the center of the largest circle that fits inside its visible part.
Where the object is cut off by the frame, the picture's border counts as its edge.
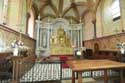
(60, 43)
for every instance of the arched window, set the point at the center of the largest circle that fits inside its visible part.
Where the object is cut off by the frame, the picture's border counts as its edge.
(31, 24)
(3, 10)
(115, 7)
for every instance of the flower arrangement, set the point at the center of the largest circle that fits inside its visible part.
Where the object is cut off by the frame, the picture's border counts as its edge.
(121, 46)
(16, 44)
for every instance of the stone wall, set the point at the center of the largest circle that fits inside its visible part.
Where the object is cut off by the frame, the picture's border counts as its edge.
(7, 36)
(13, 14)
(105, 26)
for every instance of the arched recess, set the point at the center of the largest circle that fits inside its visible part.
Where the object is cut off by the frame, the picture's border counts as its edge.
(31, 23)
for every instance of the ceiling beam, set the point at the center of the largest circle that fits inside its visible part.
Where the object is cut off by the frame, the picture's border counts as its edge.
(90, 3)
(42, 9)
(35, 10)
(66, 10)
(48, 3)
(81, 4)
(54, 9)
(84, 13)
(75, 10)
(97, 4)
(61, 3)
(91, 6)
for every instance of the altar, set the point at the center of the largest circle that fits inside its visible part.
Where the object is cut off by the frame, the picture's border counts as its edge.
(60, 43)
(61, 51)
(59, 37)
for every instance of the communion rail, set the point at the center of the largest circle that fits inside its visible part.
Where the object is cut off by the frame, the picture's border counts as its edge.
(5, 71)
(32, 72)
(50, 71)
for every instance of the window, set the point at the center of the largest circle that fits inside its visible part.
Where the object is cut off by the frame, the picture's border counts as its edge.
(115, 7)
(31, 24)
(3, 11)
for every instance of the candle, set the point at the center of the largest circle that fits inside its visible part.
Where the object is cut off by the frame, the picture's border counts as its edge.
(15, 52)
(122, 50)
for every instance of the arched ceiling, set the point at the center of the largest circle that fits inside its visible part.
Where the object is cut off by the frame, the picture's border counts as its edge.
(72, 10)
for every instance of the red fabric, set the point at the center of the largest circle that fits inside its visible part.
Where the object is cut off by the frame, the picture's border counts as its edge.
(64, 59)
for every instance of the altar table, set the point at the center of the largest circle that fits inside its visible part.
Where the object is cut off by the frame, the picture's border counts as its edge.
(80, 66)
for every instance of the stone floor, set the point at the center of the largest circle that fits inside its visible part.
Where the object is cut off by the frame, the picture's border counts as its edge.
(112, 80)
(86, 80)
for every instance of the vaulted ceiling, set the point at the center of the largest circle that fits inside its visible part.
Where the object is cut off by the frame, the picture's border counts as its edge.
(72, 10)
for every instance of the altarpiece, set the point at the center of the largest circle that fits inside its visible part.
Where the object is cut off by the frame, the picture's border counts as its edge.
(58, 37)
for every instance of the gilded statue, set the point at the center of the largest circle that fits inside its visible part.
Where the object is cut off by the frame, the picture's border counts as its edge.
(60, 39)
(60, 43)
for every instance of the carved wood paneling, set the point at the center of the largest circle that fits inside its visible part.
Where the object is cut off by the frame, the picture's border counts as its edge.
(107, 47)
(107, 42)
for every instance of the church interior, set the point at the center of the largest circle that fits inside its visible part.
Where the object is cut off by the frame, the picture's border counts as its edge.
(62, 41)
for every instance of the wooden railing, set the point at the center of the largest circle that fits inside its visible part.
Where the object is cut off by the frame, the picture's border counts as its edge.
(20, 68)
(7, 36)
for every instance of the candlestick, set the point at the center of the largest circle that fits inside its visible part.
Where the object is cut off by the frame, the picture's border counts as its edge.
(48, 20)
(71, 20)
(122, 50)
(20, 34)
(80, 20)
